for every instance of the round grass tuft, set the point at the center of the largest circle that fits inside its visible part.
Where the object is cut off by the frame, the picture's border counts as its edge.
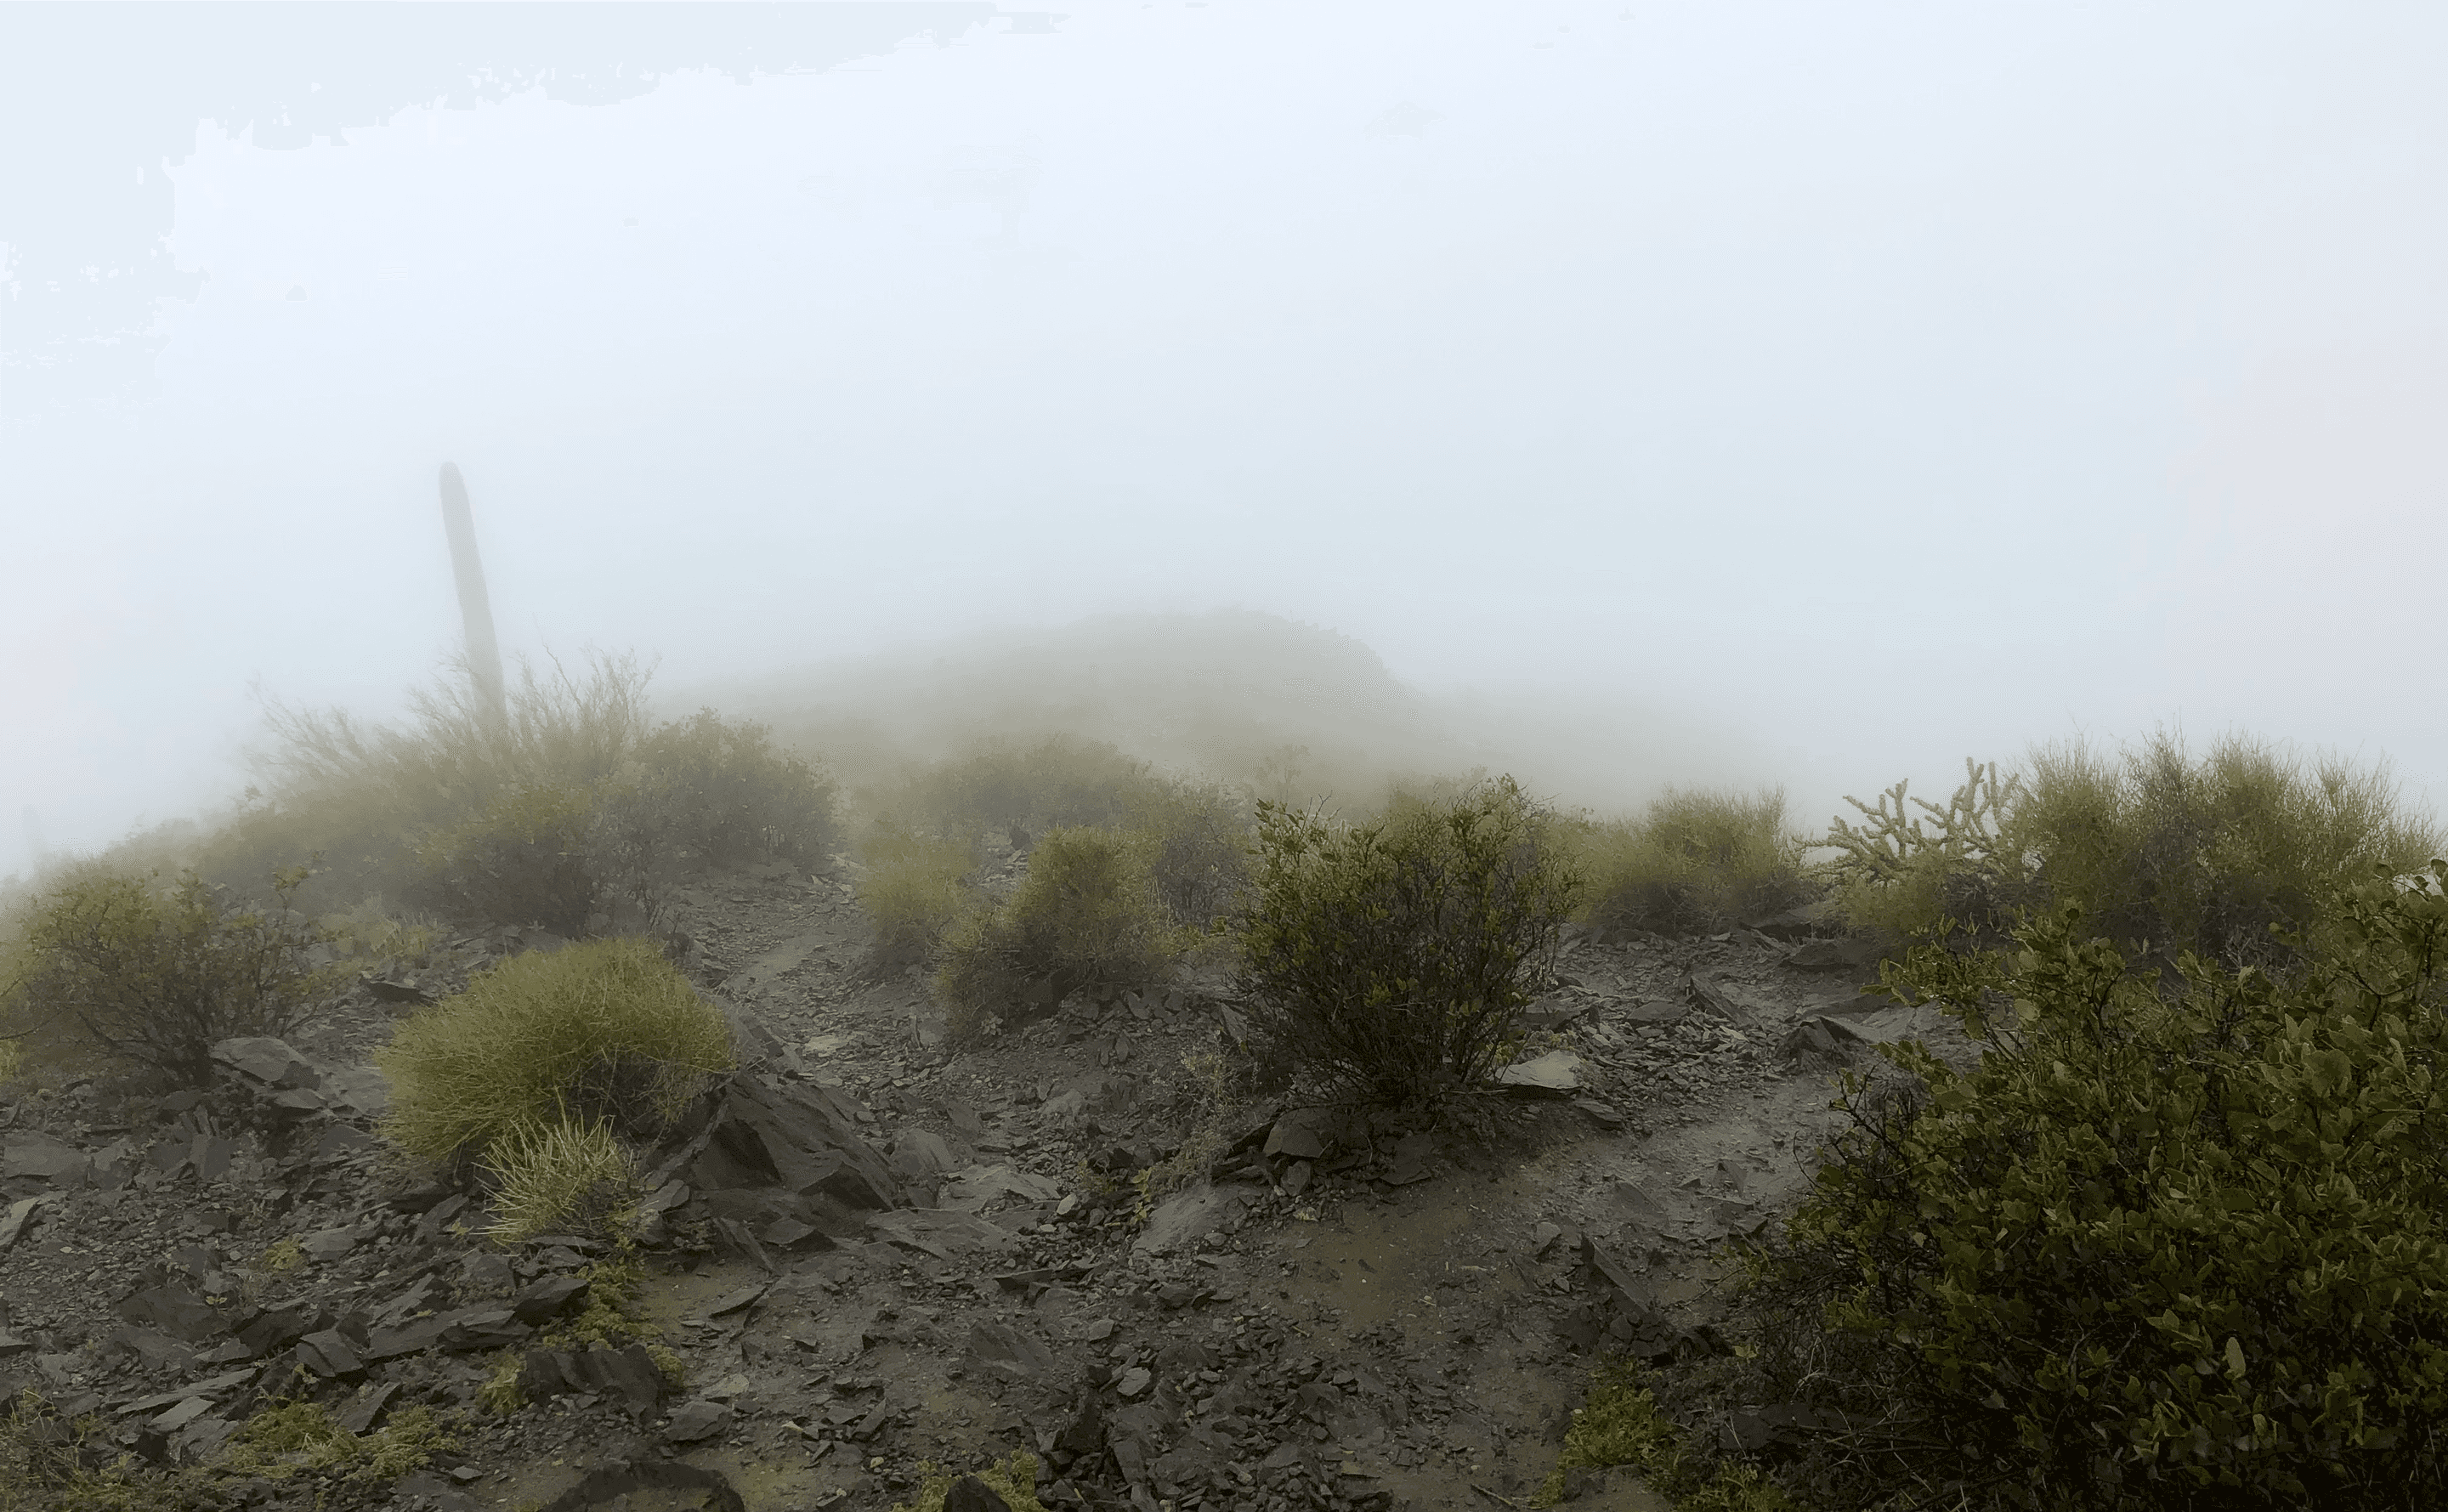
(543, 1036)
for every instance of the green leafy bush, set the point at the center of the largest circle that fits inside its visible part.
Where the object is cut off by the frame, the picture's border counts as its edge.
(1087, 915)
(1391, 957)
(911, 893)
(1620, 1425)
(154, 974)
(2155, 1252)
(1695, 863)
(606, 1030)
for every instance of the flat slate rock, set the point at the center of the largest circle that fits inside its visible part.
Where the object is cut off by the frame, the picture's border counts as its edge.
(36, 1154)
(1182, 1221)
(945, 1235)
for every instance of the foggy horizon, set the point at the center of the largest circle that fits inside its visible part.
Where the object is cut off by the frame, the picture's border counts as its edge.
(1784, 398)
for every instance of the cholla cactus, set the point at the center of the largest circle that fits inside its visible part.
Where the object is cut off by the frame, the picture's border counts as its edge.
(1970, 828)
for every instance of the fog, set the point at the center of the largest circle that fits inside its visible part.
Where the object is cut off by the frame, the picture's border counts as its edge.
(1629, 395)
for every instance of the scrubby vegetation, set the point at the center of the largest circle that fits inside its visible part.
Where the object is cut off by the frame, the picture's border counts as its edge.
(2155, 1252)
(1393, 956)
(2163, 853)
(1694, 863)
(151, 973)
(1086, 916)
(54, 1465)
(606, 1030)
(567, 1175)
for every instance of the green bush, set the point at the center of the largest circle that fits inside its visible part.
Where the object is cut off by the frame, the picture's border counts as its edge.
(911, 893)
(2164, 855)
(2171, 856)
(1087, 915)
(1391, 958)
(702, 795)
(606, 1030)
(525, 858)
(2154, 1253)
(1695, 863)
(363, 797)
(1059, 782)
(154, 974)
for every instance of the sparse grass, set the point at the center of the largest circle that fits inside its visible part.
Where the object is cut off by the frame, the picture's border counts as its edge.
(608, 1321)
(560, 1177)
(1620, 1425)
(280, 1256)
(296, 1438)
(1013, 1478)
(606, 1029)
(1694, 863)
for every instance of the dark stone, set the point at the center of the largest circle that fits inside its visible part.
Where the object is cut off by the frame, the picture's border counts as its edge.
(481, 1329)
(547, 1373)
(365, 1411)
(541, 1301)
(268, 1331)
(327, 1353)
(628, 1372)
(1001, 1349)
(178, 1312)
(1855, 952)
(605, 1484)
(970, 1494)
(693, 1421)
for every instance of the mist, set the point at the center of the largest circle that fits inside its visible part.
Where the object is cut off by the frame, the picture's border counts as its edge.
(1623, 396)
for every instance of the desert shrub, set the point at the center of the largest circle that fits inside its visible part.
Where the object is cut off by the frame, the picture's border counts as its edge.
(604, 1031)
(523, 859)
(1059, 781)
(1086, 915)
(1392, 957)
(911, 893)
(702, 793)
(153, 974)
(2169, 855)
(1201, 865)
(2155, 1252)
(363, 795)
(561, 1177)
(2164, 855)
(370, 931)
(1695, 863)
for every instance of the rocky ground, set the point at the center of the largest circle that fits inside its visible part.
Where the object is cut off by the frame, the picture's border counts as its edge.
(1334, 1313)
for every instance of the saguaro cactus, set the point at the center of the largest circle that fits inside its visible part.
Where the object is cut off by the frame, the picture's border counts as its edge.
(475, 604)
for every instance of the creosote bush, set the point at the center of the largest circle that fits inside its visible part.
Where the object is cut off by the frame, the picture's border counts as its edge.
(1391, 958)
(2157, 1252)
(1086, 916)
(607, 1030)
(1694, 863)
(152, 973)
(525, 858)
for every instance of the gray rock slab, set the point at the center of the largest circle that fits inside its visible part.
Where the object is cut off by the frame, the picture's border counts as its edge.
(36, 1154)
(943, 1234)
(1183, 1219)
(1557, 1073)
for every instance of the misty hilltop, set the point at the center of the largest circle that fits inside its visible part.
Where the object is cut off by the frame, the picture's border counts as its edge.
(1298, 711)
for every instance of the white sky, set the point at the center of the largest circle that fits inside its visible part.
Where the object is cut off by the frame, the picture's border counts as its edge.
(1904, 382)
